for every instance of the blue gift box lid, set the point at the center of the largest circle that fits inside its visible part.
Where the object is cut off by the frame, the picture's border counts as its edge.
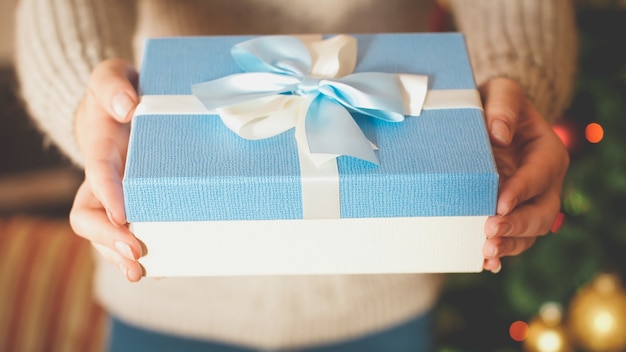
(193, 168)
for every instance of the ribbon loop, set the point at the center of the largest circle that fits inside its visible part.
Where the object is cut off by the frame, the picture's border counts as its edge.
(277, 54)
(373, 93)
(240, 88)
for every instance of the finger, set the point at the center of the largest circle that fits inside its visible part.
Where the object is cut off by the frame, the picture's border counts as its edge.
(104, 142)
(116, 244)
(493, 264)
(502, 247)
(530, 219)
(542, 168)
(103, 139)
(111, 243)
(112, 85)
(103, 171)
(503, 99)
(90, 221)
(130, 269)
(109, 255)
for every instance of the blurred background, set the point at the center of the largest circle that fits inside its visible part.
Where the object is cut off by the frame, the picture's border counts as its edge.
(33, 175)
(565, 294)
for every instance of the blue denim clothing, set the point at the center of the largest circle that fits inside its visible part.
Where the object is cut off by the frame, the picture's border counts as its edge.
(414, 335)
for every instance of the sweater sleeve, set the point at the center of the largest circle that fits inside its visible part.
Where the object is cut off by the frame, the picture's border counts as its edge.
(531, 41)
(58, 43)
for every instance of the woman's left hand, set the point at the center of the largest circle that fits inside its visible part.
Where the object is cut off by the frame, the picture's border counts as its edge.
(532, 163)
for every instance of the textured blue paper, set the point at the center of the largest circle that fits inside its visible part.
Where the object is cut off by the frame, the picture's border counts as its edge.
(191, 167)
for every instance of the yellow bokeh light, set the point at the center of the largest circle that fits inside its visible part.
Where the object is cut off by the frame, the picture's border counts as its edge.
(603, 322)
(550, 341)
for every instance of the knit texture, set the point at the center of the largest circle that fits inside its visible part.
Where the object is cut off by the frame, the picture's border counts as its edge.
(532, 42)
(60, 41)
(268, 312)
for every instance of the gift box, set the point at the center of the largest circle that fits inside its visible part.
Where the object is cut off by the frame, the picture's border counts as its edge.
(205, 198)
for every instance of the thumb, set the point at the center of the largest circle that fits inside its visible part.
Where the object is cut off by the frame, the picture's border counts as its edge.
(503, 99)
(112, 83)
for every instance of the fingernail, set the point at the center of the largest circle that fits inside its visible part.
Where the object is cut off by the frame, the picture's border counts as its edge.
(497, 270)
(134, 274)
(492, 252)
(500, 131)
(124, 249)
(505, 208)
(122, 103)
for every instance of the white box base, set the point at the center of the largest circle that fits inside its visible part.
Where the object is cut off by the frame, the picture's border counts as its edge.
(300, 247)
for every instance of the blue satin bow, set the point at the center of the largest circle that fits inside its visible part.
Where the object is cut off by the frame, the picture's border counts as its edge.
(282, 65)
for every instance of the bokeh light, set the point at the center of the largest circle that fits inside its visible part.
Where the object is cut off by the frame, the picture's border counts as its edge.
(557, 223)
(550, 341)
(518, 330)
(594, 132)
(575, 203)
(564, 134)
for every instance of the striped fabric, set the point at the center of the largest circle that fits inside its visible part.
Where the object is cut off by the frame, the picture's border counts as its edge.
(46, 299)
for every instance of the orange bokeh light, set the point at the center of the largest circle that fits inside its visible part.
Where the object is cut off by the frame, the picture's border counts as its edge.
(518, 330)
(564, 135)
(594, 132)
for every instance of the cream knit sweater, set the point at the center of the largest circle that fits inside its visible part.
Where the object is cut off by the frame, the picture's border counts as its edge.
(60, 41)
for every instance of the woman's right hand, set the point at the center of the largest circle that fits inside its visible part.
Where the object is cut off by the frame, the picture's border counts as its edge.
(102, 131)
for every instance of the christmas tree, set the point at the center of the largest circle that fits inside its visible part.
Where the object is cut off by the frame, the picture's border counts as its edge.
(476, 312)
